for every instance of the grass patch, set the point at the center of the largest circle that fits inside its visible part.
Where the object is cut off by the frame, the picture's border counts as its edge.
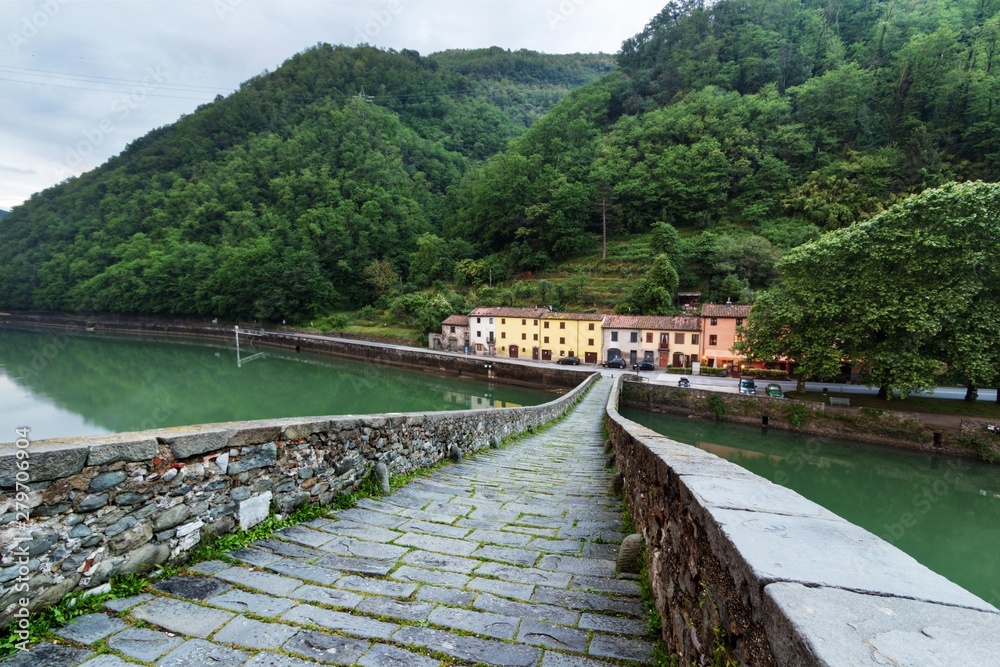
(938, 406)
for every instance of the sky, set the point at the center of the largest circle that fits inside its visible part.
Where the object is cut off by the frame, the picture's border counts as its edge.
(80, 79)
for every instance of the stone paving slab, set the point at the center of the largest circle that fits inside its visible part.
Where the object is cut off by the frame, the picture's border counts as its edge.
(252, 603)
(262, 581)
(445, 545)
(107, 660)
(470, 648)
(553, 636)
(250, 633)
(331, 597)
(299, 570)
(537, 612)
(143, 644)
(200, 653)
(437, 561)
(327, 648)
(265, 659)
(48, 655)
(358, 531)
(481, 623)
(348, 546)
(91, 628)
(359, 626)
(181, 617)
(362, 565)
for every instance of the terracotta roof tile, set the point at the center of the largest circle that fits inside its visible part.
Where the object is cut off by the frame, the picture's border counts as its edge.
(586, 317)
(656, 322)
(506, 311)
(725, 310)
(457, 321)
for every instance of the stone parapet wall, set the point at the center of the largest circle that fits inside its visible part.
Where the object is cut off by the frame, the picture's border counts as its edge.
(116, 504)
(747, 571)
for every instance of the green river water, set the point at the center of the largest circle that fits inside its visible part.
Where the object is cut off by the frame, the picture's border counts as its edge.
(62, 385)
(944, 512)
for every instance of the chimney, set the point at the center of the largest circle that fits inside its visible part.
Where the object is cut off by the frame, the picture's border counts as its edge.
(729, 302)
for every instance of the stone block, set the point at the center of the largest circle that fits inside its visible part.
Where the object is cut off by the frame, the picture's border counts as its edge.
(471, 649)
(131, 539)
(48, 655)
(145, 558)
(191, 588)
(538, 633)
(106, 480)
(121, 447)
(261, 581)
(185, 442)
(383, 655)
(257, 456)
(255, 509)
(481, 623)
(840, 628)
(171, 517)
(340, 621)
(243, 631)
(243, 602)
(50, 459)
(327, 648)
(254, 433)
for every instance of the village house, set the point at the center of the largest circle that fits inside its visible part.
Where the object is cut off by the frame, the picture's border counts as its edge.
(454, 336)
(718, 328)
(661, 340)
(509, 332)
(571, 335)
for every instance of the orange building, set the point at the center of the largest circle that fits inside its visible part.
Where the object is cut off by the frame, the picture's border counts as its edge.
(718, 334)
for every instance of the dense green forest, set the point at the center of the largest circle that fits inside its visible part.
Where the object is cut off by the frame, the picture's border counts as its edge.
(729, 133)
(3, 214)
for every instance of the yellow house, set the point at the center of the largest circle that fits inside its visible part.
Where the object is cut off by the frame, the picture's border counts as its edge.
(517, 331)
(571, 334)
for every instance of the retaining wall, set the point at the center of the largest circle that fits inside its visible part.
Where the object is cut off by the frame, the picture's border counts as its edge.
(553, 377)
(748, 571)
(883, 427)
(106, 505)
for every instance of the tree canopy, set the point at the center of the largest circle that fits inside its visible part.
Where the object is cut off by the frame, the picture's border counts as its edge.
(904, 295)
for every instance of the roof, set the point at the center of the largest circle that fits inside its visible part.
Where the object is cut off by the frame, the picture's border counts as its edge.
(586, 317)
(657, 322)
(725, 310)
(457, 321)
(506, 311)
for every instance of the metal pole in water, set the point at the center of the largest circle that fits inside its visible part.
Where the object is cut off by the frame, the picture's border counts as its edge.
(237, 338)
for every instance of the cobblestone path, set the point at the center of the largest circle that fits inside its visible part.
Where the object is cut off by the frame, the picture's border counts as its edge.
(505, 559)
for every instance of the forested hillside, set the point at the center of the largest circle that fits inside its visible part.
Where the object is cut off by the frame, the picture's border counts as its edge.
(729, 133)
(3, 214)
(298, 194)
(750, 127)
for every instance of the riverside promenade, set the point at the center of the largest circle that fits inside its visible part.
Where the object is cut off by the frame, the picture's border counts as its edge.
(504, 559)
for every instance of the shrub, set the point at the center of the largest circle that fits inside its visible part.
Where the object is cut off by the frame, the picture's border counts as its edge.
(718, 405)
(686, 370)
(765, 373)
(706, 370)
(797, 414)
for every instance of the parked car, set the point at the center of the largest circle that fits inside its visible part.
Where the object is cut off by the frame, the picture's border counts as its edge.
(684, 383)
(774, 391)
(617, 362)
(569, 361)
(643, 366)
(748, 386)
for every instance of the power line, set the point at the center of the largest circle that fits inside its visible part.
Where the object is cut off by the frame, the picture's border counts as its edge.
(25, 71)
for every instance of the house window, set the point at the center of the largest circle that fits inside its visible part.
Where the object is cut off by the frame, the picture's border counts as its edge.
(503, 334)
(562, 341)
(534, 323)
(524, 336)
(491, 320)
(479, 334)
(503, 320)
(715, 321)
(634, 337)
(453, 329)
(678, 339)
(546, 340)
(591, 326)
(562, 325)
(695, 338)
(649, 336)
(523, 322)
(479, 320)
(739, 321)
(614, 336)
(545, 325)
(590, 342)
(713, 340)
(535, 336)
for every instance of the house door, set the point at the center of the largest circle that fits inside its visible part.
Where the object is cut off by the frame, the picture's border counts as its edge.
(631, 358)
(590, 357)
(513, 351)
(546, 355)
(534, 354)
(664, 359)
(678, 359)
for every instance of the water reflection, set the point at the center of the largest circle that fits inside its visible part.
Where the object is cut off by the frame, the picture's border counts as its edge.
(62, 385)
(944, 512)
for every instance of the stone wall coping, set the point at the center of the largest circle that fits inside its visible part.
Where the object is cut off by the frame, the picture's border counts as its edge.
(57, 458)
(813, 577)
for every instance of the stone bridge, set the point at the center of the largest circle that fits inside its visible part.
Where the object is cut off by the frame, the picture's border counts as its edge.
(507, 558)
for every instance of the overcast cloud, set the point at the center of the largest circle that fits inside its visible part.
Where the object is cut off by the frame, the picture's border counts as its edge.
(83, 78)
